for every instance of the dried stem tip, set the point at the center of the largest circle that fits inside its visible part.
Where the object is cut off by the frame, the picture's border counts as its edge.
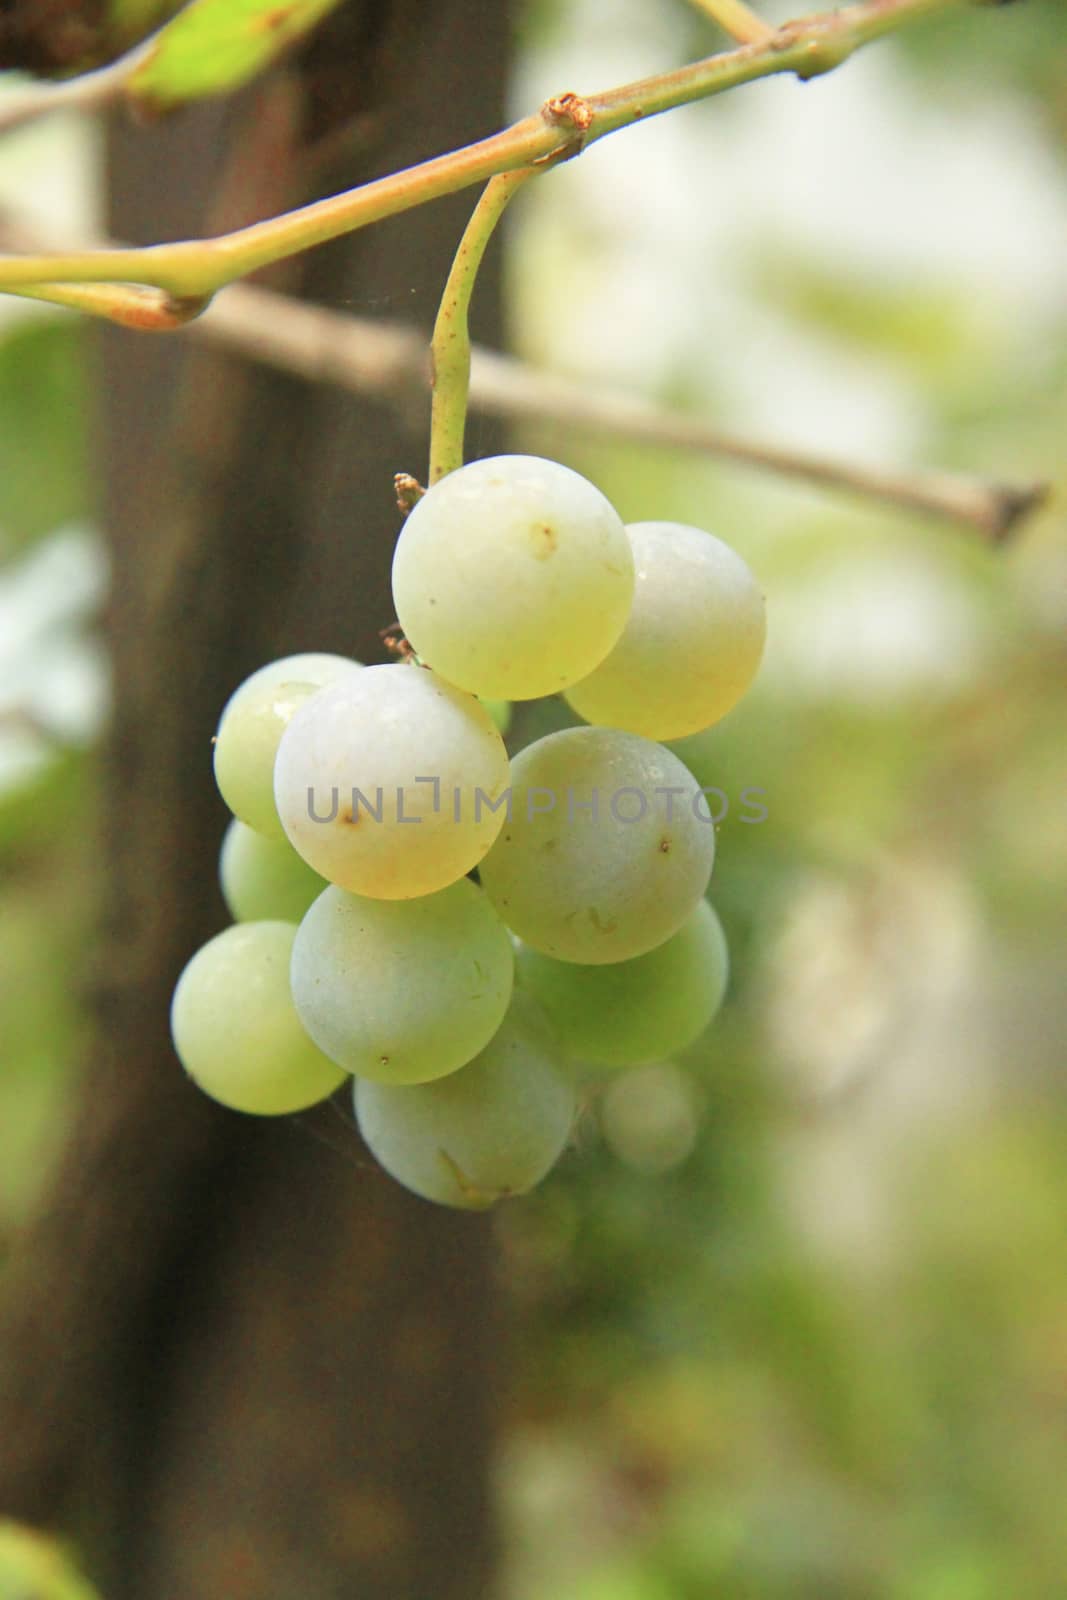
(409, 491)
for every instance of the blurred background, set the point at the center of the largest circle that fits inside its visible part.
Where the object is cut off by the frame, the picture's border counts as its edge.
(791, 1319)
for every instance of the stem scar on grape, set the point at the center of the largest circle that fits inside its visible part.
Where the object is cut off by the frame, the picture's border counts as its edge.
(481, 1197)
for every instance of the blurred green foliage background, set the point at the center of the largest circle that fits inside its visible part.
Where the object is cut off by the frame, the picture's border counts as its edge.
(791, 1320)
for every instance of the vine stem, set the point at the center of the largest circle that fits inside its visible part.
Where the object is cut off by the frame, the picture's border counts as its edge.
(736, 19)
(129, 305)
(191, 269)
(369, 356)
(450, 348)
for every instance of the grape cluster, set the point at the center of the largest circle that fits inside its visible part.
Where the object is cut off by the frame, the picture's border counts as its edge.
(368, 799)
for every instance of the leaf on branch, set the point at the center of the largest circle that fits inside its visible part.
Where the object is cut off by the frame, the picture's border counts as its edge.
(215, 46)
(34, 1566)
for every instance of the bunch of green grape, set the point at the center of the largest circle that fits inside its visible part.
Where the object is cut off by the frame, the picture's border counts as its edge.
(450, 931)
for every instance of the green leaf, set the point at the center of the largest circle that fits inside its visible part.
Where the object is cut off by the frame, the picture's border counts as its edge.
(43, 430)
(214, 46)
(32, 1567)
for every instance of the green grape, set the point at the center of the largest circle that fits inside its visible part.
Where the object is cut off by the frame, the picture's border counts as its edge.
(387, 782)
(235, 1028)
(608, 847)
(513, 577)
(253, 721)
(493, 1129)
(402, 990)
(693, 641)
(633, 1012)
(264, 880)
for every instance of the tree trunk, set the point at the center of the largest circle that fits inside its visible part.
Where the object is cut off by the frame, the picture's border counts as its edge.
(238, 1359)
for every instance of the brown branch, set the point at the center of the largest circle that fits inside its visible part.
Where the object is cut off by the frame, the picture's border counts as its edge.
(356, 353)
(392, 361)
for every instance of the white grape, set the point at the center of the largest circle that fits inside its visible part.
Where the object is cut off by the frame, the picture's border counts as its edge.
(493, 1129)
(513, 577)
(386, 782)
(402, 990)
(608, 848)
(637, 1011)
(236, 1030)
(252, 722)
(264, 880)
(693, 641)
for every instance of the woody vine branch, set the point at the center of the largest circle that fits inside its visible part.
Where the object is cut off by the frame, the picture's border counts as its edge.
(187, 273)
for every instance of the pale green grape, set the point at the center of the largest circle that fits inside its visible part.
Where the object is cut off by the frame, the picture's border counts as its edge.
(236, 1030)
(264, 880)
(252, 722)
(632, 1012)
(386, 782)
(513, 577)
(692, 643)
(402, 990)
(494, 1128)
(608, 848)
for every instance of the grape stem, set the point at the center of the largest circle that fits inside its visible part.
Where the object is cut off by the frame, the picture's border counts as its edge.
(192, 270)
(450, 348)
